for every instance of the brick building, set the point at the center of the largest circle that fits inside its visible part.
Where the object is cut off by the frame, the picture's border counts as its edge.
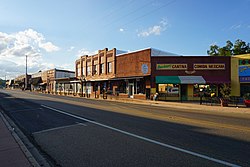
(116, 73)
(95, 72)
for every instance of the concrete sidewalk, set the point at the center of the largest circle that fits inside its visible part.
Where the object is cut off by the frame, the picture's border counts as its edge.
(11, 154)
(189, 105)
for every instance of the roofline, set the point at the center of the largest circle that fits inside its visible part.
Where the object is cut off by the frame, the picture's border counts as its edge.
(150, 48)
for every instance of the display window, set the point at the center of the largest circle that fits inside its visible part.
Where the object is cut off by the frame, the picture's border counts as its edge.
(169, 90)
(204, 90)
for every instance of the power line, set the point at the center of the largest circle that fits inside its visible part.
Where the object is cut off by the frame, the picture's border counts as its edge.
(148, 13)
(111, 11)
(132, 12)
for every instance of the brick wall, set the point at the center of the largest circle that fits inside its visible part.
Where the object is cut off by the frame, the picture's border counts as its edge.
(130, 64)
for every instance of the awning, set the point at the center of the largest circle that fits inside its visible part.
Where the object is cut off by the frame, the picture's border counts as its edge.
(167, 80)
(192, 80)
(216, 79)
(42, 84)
(36, 81)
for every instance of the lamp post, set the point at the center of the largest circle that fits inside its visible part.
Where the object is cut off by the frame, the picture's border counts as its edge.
(201, 94)
(82, 80)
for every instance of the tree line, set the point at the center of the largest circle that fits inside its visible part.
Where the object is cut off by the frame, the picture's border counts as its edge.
(230, 49)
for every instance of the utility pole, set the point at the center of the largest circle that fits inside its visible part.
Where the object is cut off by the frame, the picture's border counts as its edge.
(26, 76)
(5, 81)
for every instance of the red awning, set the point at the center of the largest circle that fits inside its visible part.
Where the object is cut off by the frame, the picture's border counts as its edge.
(216, 79)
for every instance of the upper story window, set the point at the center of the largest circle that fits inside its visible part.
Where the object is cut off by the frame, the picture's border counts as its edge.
(88, 70)
(109, 67)
(78, 70)
(83, 71)
(102, 68)
(94, 69)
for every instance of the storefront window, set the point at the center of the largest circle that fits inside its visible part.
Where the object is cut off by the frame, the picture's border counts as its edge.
(140, 87)
(169, 90)
(122, 87)
(205, 90)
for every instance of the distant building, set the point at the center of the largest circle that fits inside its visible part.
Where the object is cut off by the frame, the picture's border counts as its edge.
(50, 77)
(19, 82)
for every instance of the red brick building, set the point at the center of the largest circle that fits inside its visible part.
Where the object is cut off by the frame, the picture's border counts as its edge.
(116, 73)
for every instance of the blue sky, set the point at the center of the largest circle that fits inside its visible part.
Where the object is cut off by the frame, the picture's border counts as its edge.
(55, 33)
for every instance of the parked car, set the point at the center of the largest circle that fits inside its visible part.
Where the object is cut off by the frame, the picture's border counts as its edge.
(173, 90)
(247, 99)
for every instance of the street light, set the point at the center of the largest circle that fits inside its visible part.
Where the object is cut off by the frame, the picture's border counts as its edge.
(83, 79)
(201, 94)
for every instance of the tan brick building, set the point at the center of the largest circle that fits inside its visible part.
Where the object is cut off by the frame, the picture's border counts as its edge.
(95, 71)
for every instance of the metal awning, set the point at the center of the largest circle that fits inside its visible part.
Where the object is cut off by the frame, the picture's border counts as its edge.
(167, 80)
(127, 78)
(192, 80)
(36, 81)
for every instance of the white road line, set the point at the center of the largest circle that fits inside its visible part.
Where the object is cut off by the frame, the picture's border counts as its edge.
(28, 109)
(58, 128)
(147, 139)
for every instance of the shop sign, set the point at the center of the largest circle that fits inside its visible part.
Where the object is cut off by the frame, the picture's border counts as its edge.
(245, 79)
(209, 66)
(244, 71)
(171, 66)
(244, 62)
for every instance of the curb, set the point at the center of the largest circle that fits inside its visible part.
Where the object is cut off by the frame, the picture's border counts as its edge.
(20, 138)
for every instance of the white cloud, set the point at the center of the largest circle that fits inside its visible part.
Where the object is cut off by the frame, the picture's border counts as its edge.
(84, 51)
(14, 47)
(121, 29)
(154, 30)
(236, 26)
(71, 48)
(48, 46)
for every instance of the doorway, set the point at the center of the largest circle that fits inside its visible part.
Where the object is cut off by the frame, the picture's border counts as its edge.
(131, 90)
(184, 92)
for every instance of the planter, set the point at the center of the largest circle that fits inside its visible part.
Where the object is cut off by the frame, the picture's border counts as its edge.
(224, 102)
(247, 103)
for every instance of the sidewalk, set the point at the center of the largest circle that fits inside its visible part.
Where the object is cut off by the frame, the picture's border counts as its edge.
(11, 154)
(188, 105)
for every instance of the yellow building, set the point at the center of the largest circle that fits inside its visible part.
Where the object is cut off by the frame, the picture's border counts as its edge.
(242, 80)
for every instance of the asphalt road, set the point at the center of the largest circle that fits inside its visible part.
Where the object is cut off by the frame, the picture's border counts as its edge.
(85, 132)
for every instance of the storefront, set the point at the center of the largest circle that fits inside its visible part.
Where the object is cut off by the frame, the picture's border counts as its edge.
(182, 78)
(244, 73)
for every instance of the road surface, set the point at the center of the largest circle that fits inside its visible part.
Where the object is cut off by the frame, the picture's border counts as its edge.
(86, 132)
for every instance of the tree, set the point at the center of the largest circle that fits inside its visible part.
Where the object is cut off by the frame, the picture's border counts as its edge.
(239, 47)
(225, 90)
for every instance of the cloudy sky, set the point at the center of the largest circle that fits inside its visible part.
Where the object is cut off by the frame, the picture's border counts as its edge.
(53, 34)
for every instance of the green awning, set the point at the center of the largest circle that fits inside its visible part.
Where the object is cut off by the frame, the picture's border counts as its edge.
(167, 80)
